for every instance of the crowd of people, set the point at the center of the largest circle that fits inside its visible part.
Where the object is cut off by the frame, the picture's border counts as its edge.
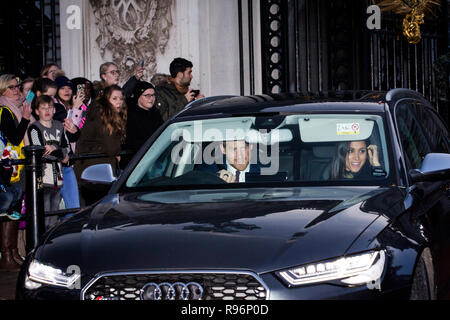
(75, 117)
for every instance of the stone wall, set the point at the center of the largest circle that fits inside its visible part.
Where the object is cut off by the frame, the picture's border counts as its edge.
(129, 31)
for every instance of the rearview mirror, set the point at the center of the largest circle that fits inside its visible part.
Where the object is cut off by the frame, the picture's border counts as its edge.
(435, 167)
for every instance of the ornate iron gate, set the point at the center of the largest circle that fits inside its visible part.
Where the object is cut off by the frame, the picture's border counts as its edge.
(321, 45)
(30, 36)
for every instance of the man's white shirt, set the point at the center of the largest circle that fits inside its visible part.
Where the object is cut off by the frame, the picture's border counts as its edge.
(233, 170)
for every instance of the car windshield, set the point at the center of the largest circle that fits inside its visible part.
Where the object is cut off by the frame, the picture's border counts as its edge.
(248, 150)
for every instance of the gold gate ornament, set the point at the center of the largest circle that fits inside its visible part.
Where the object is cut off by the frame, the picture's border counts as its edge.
(414, 11)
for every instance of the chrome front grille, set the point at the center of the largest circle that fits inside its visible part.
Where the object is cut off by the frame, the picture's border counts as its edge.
(215, 286)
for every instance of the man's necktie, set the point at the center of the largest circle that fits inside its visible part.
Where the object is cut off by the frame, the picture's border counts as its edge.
(238, 173)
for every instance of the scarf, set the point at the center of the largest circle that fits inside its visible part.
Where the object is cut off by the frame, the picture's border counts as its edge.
(181, 89)
(13, 105)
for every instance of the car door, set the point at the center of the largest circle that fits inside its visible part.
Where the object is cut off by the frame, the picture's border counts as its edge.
(437, 137)
(440, 143)
(421, 132)
(434, 128)
(413, 139)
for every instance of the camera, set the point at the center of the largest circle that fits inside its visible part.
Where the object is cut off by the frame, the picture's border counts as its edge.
(196, 92)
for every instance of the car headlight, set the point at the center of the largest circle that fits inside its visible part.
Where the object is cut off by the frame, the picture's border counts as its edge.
(40, 273)
(365, 268)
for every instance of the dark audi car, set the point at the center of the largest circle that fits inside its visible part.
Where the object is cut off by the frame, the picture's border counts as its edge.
(265, 197)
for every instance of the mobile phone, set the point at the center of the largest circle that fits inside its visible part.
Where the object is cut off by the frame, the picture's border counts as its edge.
(142, 63)
(76, 115)
(30, 96)
(82, 88)
(196, 92)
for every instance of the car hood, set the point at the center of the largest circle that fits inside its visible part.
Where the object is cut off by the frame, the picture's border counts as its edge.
(247, 229)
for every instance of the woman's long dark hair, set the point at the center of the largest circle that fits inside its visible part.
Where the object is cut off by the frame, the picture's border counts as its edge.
(67, 104)
(338, 165)
(114, 123)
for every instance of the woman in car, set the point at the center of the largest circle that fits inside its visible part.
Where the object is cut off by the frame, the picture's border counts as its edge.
(351, 160)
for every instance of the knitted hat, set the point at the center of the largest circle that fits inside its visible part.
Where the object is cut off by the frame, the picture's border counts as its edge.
(64, 81)
(140, 88)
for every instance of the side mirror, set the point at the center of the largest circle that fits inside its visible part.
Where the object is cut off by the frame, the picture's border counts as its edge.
(435, 167)
(98, 174)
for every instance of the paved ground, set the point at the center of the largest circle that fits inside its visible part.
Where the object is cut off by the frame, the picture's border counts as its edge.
(8, 285)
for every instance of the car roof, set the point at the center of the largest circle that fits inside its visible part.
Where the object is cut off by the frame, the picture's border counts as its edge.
(346, 101)
(339, 101)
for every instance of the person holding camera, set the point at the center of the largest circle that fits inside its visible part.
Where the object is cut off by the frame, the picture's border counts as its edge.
(110, 76)
(85, 87)
(173, 96)
(70, 110)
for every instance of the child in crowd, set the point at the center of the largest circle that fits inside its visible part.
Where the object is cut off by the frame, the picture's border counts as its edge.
(44, 86)
(49, 133)
(26, 85)
(69, 190)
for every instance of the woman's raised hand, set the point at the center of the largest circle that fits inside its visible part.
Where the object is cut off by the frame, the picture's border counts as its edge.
(139, 73)
(373, 155)
(78, 100)
(26, 110)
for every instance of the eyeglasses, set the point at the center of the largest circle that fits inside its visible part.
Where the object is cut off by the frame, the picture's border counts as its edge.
(14, 87)
(47, 108)
(114, 72)
(148, 96)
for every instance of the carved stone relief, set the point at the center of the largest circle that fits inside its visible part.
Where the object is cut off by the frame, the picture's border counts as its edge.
(133, 30)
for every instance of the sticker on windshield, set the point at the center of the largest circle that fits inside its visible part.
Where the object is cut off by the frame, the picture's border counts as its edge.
(347, 128)
(379, 172)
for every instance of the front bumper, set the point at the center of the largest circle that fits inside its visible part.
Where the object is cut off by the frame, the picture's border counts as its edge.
(276, 290)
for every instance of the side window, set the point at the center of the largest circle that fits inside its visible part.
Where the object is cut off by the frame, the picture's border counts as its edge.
(435, 130)
(413, 139)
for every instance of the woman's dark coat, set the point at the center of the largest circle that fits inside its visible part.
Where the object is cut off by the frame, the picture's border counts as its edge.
(96, 139)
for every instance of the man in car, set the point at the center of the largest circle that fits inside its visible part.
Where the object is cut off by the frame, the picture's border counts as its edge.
(236, 162)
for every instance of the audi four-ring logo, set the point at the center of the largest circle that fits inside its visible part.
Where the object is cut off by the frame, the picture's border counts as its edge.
(172, 291)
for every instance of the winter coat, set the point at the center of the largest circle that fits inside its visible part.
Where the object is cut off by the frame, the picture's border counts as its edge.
(96, 139)
(169, 100)
(14, 132)
(141, 124)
